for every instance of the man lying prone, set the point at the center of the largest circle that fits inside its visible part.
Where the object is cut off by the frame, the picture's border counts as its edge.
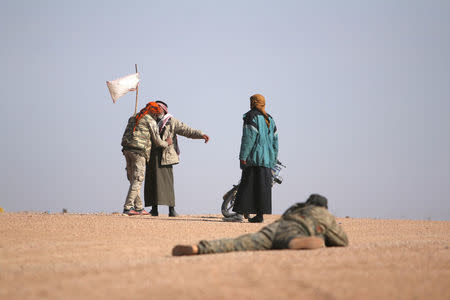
(306, 225)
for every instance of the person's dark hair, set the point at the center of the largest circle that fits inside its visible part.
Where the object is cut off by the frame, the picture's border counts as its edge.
(317, 200)
(313, 199)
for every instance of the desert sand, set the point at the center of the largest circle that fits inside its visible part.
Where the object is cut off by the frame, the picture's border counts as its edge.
(112, 256)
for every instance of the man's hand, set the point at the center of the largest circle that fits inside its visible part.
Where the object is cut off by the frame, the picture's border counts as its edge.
(243, 164)
(169, 141)
(206, 138)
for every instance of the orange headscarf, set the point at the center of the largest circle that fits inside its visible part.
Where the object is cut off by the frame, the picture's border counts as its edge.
(151, 107)
(259, 102)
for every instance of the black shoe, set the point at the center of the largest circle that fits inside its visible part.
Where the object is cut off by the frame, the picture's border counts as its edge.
(256, 219)
(154, 211)
(172, 212)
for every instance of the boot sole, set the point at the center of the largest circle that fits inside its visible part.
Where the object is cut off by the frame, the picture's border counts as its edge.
(306, 243)
(180, 250)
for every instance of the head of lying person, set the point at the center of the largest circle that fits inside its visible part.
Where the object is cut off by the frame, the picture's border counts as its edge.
(317, 200)
(313, 200)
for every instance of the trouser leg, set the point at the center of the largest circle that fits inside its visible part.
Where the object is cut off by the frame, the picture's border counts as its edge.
(135, 175)
(261, 240)
(138, 201)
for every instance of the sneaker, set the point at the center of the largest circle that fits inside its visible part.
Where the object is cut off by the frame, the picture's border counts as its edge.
(143, 212)
(235, 218)
(130, 212)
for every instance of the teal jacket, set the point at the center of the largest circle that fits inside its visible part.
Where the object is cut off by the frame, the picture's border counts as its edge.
(259, 144)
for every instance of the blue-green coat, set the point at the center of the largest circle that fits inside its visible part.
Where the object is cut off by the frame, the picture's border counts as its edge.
(259, 144)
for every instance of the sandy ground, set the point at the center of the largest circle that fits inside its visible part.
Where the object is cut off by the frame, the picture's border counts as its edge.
(98, 256)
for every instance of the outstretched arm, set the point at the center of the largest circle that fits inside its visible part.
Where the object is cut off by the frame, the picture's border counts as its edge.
(182, 129)
(335, 235)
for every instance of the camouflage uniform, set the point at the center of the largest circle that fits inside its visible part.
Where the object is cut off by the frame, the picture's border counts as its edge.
(298, 221)
(137, 143)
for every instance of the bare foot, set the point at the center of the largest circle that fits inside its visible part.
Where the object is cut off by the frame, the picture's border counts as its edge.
(311, 242)
(179, 250)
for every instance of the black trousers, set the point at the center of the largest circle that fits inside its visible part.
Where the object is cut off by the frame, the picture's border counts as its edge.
(254, 195)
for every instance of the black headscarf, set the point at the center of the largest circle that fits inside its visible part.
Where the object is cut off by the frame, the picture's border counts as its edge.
(317, 200)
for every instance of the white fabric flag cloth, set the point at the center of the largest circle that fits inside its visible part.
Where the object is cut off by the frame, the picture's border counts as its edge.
(119, 87)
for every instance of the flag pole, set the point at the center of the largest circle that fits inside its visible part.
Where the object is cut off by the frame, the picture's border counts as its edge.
(137, 92)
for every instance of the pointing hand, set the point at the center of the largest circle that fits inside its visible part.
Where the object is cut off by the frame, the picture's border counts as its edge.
(206, 138)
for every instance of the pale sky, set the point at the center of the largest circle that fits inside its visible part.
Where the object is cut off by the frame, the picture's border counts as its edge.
(360, 92)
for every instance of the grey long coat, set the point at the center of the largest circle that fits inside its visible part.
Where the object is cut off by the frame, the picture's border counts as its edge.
(173, 128)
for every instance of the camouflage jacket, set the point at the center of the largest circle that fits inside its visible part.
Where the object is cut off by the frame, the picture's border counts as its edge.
(140, 140)
(173, 128)
(317, 221)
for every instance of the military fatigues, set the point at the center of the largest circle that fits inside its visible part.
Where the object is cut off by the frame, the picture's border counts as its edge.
(297, 221)
(135, 174)
(137, 143)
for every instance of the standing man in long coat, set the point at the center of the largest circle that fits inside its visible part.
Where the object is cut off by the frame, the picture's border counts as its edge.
(159, 186)
(258, 155)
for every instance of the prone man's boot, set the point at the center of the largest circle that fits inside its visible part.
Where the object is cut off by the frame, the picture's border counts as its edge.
(306, 243)
(172, 212)
(179, 250)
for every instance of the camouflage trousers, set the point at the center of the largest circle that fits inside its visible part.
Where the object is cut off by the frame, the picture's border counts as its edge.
(273, 236)
(135, 173)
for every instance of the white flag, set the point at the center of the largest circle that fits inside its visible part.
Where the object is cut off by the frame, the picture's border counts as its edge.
(119, 87)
